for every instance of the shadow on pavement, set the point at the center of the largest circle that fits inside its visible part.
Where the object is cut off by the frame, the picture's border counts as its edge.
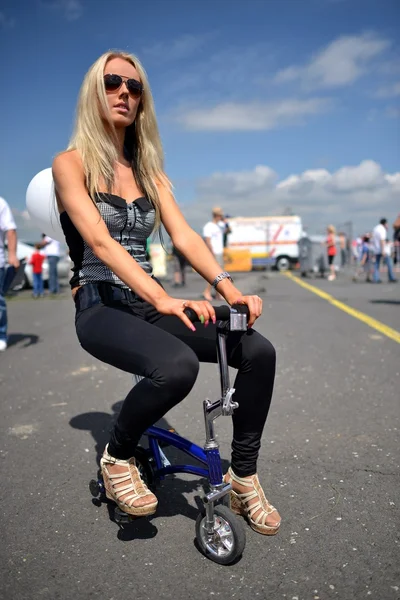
(394, 302)
(170, 492)
(29, 338)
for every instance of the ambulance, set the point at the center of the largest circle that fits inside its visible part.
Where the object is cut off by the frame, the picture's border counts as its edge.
(270, 240)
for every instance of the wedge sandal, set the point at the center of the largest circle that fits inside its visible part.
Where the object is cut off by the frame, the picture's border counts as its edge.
(127, 488)
(241, 504)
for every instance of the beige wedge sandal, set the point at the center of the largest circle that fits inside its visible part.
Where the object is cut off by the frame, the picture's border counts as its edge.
(126, 488)
(242, 504)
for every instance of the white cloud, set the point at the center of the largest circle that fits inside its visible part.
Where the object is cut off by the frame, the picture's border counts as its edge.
(367, 175)
(239, 182)
(342, 62)
(388, 91)
(362, 193)
(71, 9)
(252, 116)
(181, 47)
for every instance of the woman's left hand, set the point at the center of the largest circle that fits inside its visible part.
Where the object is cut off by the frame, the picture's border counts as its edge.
(255, 306)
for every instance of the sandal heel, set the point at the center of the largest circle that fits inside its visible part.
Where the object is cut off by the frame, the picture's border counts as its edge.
(236, 505)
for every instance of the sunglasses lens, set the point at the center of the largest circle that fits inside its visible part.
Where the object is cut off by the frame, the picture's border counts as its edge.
(112, 82)
(135, 87)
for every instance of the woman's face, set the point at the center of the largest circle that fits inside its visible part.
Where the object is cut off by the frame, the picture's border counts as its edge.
(122, 103)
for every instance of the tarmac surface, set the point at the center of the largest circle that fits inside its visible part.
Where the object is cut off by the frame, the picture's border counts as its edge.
(329, 460)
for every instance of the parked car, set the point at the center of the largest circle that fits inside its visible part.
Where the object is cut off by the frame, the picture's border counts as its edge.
(25, 251)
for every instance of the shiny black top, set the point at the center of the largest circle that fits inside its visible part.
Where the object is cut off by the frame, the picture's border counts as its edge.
(130, 224)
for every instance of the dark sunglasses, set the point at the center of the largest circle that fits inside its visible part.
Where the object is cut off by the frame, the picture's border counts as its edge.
(113, 82)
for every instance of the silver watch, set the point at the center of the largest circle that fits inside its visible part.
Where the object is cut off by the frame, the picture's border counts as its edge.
(220, 277)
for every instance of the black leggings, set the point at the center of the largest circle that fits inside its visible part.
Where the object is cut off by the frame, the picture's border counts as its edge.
(131, 335)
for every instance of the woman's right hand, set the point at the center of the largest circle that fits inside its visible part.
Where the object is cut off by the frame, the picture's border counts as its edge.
(176, 306)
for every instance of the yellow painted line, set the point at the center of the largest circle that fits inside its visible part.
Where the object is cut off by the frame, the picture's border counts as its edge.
(381, 327)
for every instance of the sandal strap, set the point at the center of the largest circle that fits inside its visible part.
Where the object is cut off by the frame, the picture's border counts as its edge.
(246, 496)
(241, 480)
(124, 488)
(119, 477)
(107, 458)
(130, 498)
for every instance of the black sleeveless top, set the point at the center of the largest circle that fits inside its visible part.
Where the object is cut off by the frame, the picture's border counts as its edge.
(129, 224)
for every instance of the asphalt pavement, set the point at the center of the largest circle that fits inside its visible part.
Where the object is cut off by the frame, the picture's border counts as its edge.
(329, 460)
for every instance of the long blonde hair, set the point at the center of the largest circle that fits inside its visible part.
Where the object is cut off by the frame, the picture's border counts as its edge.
(95, 139)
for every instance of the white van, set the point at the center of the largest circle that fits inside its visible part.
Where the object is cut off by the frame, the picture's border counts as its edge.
(271, 240)
(25, 251)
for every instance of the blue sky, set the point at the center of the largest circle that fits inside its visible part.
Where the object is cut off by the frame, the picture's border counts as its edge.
(262, 104)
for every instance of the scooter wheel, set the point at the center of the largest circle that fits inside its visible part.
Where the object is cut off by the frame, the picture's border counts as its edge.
(228, 540)
(94, 488)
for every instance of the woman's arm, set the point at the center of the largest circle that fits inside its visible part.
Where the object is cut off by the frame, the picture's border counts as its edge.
(73, 197)
(192, 246)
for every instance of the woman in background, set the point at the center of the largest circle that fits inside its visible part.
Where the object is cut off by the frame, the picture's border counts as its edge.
(331, 250)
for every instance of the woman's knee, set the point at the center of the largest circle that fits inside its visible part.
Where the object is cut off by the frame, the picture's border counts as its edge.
(177, 373)
(259, 353)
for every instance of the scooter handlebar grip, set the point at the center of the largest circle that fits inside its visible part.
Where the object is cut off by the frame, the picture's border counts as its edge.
(222, 313)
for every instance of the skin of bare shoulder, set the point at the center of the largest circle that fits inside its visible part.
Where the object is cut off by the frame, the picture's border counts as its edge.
(73, 197)
(70, 160)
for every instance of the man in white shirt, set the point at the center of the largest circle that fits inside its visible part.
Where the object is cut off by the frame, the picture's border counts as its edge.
(51, 249)
(8, 233)
(214, 238)
(379, 237)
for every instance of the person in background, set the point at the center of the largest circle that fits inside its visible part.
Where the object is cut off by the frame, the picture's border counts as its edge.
(396, 241)
(36, 261)
(379, 238)
(331, 250)
(356, 245)
(226, 230)
(8, 233)
(180, 263)
(214, 238)
(343, 249)
(364, 265)
(148, 250)
(387, 260)
(51, 249)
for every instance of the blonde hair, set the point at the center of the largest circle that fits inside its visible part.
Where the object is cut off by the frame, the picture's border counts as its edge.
(331, 229)
(94, 135)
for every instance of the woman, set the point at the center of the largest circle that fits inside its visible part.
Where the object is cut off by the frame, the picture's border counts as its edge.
(179, 268)
(331, 248)
(111, 192)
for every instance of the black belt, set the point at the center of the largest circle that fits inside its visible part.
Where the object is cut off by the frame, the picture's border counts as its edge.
(91, 294)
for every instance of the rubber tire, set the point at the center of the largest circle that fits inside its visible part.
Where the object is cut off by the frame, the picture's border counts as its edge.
(239, 535)
(94, 488)
(282, 260)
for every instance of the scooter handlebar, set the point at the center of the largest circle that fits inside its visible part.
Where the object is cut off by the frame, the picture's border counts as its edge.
(237, 315)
